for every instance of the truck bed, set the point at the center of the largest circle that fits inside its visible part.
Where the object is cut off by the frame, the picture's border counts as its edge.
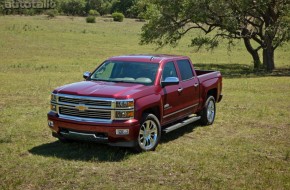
(204, 75)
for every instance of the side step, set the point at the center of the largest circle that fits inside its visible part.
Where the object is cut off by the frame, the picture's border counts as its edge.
(181, 124)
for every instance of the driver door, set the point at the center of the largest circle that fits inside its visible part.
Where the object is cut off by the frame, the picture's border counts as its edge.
(170, 95)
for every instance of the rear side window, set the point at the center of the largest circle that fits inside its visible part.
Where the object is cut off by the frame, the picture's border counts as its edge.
(185, 69)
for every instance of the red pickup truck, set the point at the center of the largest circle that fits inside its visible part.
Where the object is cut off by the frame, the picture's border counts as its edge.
(130, 100)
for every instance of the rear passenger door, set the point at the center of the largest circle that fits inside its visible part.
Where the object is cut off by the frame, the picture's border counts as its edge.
(189, 86)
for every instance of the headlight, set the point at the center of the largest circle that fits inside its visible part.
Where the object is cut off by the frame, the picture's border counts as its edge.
(53, 97)
(53, 100)
(124, 103)
(124, 114)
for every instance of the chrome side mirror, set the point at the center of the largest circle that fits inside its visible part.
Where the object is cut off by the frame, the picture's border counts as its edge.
(170, 81)
(86, 74)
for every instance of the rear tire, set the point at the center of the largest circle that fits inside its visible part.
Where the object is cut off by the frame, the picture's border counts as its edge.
(208, 112)
(149, 133)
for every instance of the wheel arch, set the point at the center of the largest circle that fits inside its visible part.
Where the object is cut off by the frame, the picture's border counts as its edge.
(212, 92)
(153, 110)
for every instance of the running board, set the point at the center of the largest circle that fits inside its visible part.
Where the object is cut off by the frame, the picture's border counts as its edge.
(181, 124)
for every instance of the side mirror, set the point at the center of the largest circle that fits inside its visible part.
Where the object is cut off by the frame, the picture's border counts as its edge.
(86, 74)
(170, 81)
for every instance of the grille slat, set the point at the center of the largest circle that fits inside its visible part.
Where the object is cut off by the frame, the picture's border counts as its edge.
(85, 102)
(85, 114)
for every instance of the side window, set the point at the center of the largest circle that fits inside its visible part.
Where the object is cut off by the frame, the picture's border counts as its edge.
(169, 71)
(185, 69)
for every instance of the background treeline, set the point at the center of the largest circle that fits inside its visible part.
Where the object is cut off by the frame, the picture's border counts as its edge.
(130, 8)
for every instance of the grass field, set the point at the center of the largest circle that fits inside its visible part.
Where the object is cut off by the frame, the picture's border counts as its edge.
(248, 147)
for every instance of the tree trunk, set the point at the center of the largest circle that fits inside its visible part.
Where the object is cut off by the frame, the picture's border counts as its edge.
(253, 52)
(268, 58)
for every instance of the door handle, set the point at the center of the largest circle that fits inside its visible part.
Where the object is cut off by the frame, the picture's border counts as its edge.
(195, 85)
(180, 90)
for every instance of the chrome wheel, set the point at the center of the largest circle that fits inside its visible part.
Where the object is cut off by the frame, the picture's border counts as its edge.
(148, 135)
(210, 111)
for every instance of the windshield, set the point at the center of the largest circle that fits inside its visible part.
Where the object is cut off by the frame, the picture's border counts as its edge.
(128, 72)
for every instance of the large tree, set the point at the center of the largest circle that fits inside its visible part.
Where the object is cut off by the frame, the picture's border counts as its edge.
(261, 24)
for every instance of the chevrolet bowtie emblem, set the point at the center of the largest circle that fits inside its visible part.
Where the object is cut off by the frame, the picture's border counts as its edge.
(81, 108)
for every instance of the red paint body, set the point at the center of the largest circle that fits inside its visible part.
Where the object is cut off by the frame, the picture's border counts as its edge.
(151, 98)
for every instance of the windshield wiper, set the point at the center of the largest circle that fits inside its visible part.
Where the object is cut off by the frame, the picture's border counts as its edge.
(124, 81)
(101, 80)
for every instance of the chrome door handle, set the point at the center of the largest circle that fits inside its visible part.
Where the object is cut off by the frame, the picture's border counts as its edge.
(195, 85)
(180, 90)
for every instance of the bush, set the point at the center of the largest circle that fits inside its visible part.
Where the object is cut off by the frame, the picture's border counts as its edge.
(27, 12)
(91, 19)
(51, 13)
(94, 12)
(119, 17)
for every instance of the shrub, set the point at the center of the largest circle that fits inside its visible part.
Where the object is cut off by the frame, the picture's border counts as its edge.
(94, 12)
(119, 17)
(27, 12)
(51, 13)
(91, 19)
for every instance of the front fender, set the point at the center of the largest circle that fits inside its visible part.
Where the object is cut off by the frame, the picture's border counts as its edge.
(147, 102)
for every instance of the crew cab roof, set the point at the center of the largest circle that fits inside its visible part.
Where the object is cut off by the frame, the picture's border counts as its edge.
(150, 58)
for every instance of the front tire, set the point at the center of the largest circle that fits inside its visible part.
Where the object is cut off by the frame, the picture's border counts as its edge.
(208, 112)
(64, 140)
(149, 133)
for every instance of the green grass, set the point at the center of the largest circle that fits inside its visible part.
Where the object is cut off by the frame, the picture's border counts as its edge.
(248, 147)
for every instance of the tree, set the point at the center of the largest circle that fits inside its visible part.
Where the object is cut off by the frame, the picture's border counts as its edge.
(102, 6)
(264, 22)
(73, 7)
(141, 9)
(123, 6)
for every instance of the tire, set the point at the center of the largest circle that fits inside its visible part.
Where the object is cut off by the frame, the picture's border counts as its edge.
(149, 133)
(208, 112)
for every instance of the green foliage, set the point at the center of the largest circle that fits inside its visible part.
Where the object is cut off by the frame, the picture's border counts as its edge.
(73, 7)
(102, 6)
(118, 17)
(94, 12)
(201, 41)
(142, 9)
(91, 19)
(258, 21)
(123, 6)
(30, 12)
(106, 7)
(51, 13)
(83, 7)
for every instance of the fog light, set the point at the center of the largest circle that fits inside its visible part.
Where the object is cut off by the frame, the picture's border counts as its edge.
(122, 131)
(50, 123)
(53, 107)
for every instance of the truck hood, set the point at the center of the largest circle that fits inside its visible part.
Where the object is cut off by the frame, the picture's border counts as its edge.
(106, 89)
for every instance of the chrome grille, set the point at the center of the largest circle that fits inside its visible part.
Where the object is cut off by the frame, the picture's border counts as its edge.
(85, 101)
(92, 114)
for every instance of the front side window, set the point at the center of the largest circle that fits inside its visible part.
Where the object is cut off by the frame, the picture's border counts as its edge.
(169, 71)
(185, 69)
(127, 72)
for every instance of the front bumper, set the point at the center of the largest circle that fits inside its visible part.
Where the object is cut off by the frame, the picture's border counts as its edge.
(95, 132)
